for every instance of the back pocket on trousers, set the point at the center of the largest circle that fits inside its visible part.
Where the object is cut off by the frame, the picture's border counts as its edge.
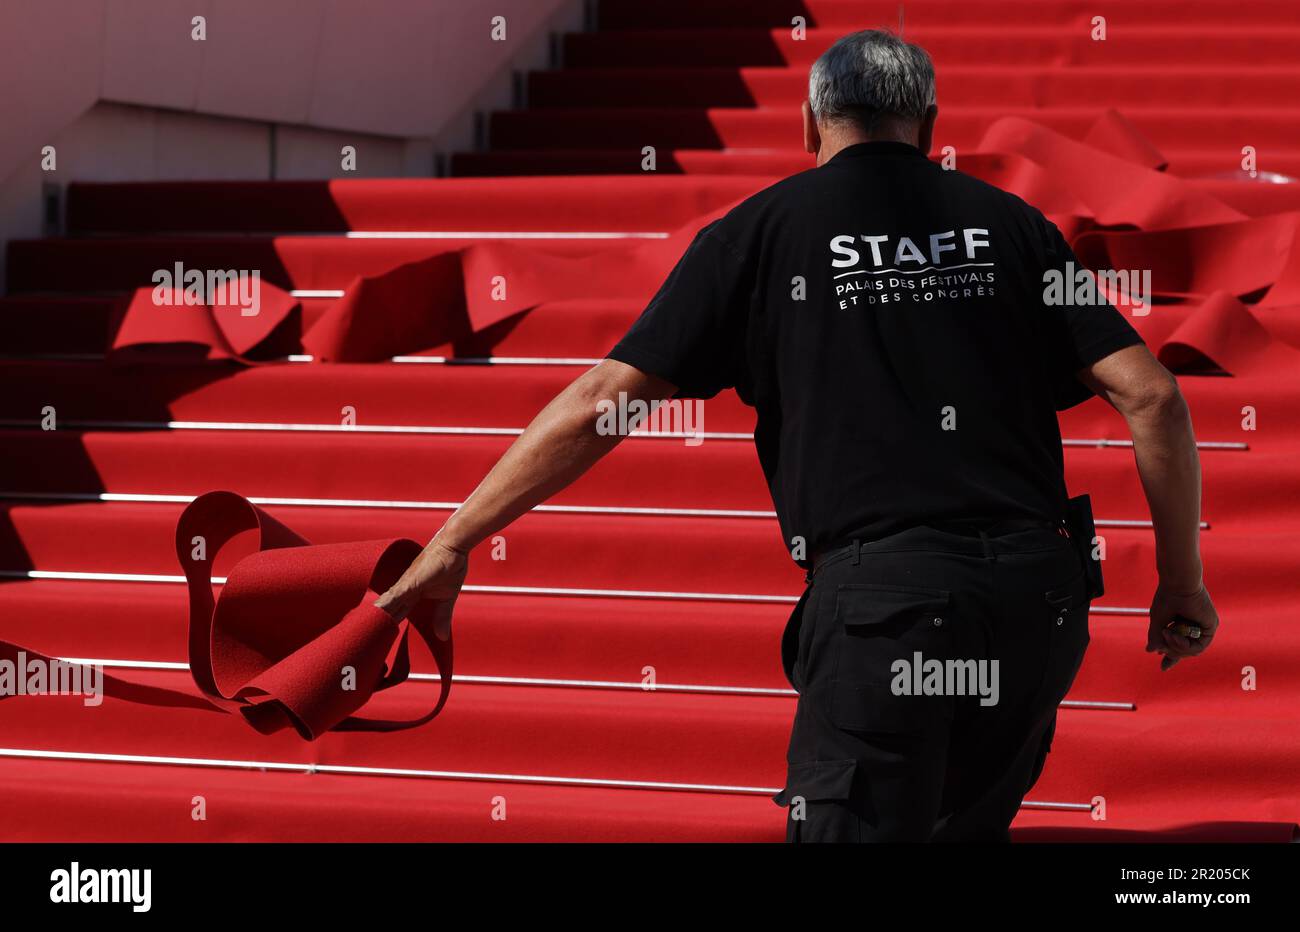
(884, 636)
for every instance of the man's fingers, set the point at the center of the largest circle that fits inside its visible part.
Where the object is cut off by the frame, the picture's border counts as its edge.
(1176, 643)
(1176, 647)
(1154, 639)
(396, 604)
(1184, 647)
(400, 605)
(442, 619)
(1180, 628)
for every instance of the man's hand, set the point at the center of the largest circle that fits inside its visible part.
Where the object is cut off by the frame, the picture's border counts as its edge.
(1170, 611)
(561, 444)
(437, 574)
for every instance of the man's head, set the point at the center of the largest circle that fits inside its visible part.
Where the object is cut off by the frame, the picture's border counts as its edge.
(868, 86)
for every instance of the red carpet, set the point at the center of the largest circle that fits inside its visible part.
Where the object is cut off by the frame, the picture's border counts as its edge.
(609, 686)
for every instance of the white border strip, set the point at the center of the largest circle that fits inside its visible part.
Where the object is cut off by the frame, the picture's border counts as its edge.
(652, 594)
(355, 429)
(148, 498)
(151, 498)
(545, 683)
(401, 360)
(468, 776)
(1128, 444)
(72, 576)
(170, 666)
(472, 431)
(489, 360)
(474, 360)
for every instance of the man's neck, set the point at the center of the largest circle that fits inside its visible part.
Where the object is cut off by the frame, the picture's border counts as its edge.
(842, 137)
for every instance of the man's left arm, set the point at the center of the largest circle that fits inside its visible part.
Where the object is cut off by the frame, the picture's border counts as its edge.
(559, 445)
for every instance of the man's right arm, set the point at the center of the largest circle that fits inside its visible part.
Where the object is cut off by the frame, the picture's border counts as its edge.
(1147, 395)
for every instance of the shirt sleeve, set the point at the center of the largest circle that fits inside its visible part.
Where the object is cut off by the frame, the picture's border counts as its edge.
(692, 333)
(1082, 333)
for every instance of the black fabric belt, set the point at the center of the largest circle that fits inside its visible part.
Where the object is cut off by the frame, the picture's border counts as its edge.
(973, 529)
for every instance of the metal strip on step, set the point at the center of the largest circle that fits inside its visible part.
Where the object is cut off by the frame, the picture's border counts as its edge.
(469, 776)
(160, 498)
(172, 666)
(650, 594)
(486, 431)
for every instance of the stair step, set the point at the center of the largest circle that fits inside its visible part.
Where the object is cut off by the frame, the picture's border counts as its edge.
(394, 204)
(437, 396)
(846, 15)
(709, 559)
(1064, 44)
(677, 127)
(74, 801)
(958, 87)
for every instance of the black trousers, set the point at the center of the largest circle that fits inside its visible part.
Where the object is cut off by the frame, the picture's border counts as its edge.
(929, 667)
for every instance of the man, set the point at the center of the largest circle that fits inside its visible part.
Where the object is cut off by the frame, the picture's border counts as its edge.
(887, 320)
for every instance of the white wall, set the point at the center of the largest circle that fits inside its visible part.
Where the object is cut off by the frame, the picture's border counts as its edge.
(124, 92)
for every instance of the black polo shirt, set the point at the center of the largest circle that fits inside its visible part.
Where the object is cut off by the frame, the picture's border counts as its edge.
(886, 318)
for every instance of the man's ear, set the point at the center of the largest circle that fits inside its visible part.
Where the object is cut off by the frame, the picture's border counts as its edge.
(925, 138)
(812, 139)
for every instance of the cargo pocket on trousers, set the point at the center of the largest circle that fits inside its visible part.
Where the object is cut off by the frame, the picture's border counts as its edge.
(820, 800)
(882, 634)
(817, 781)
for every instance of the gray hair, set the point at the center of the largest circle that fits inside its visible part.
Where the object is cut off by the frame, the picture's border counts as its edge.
(868, 74)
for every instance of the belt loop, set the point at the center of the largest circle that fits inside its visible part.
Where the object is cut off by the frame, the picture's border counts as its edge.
(857, 551)
(988, 548)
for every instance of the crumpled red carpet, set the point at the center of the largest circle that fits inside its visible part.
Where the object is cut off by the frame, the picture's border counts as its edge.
(663, 567)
